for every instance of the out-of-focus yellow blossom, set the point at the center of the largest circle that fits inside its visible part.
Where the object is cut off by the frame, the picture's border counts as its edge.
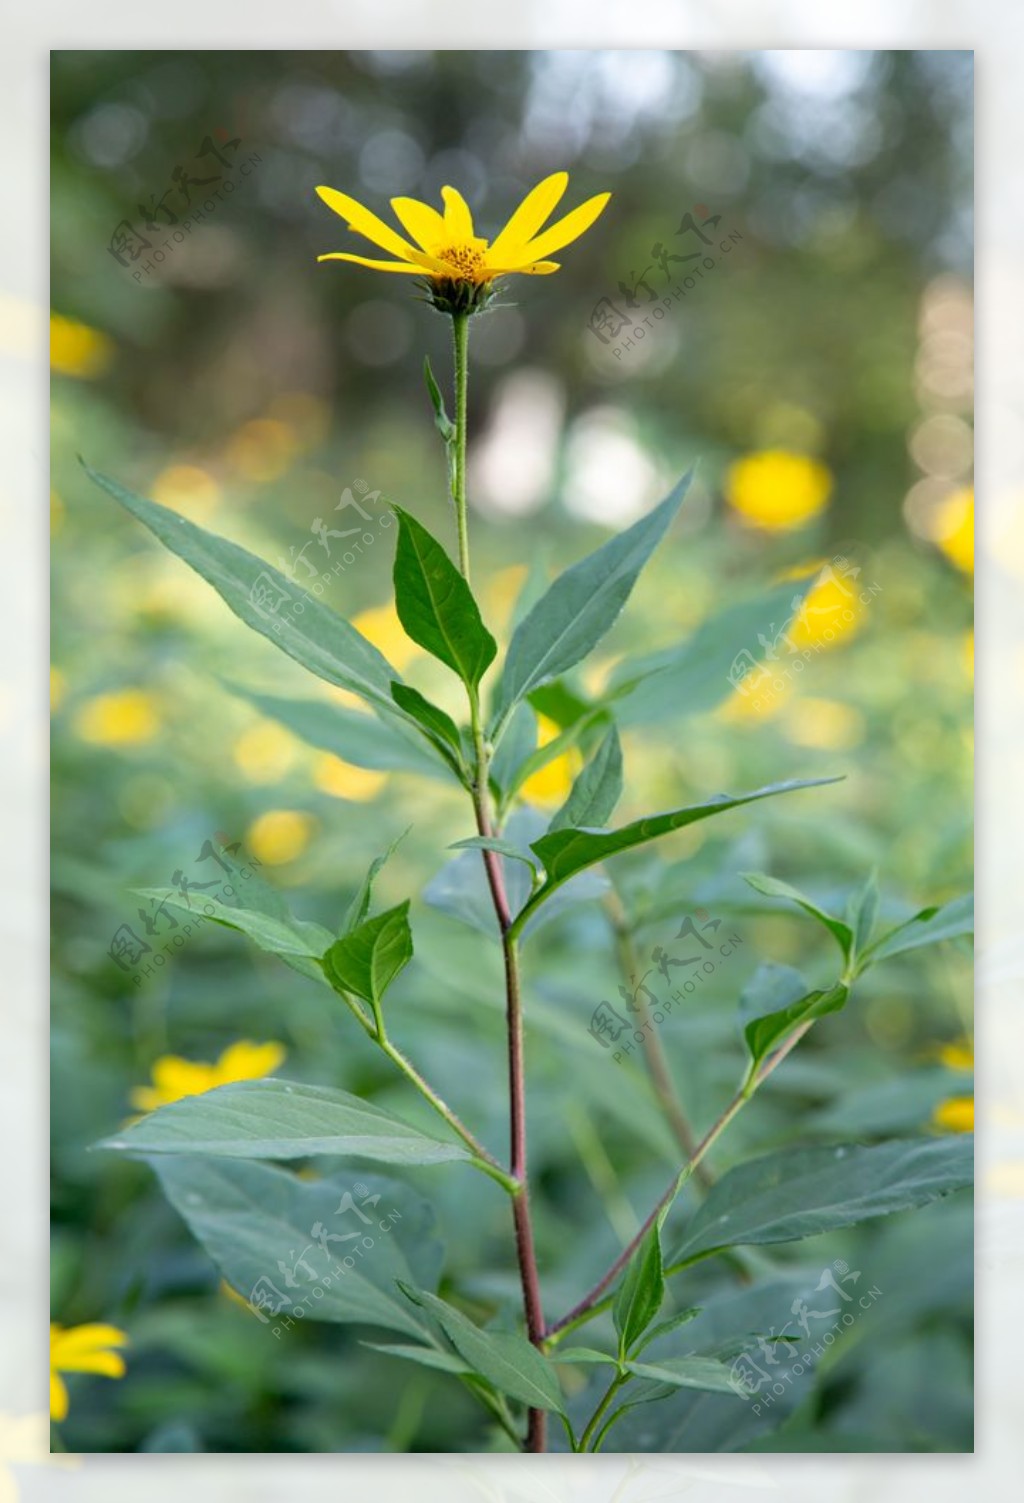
(344, 780)
(264, 752)
(279, 836)
(501, 593)
(82, 1349)
(958, 1056)
(308, 417)
(954, 529)
(126, 718)
(778, 490)
(954, 1115)
(76, 349)
(174, 1077)
(58, 687)
(551, 784)
(825, 724)
(831, 611)
(188, 489)
(261, 449)
(381, 626)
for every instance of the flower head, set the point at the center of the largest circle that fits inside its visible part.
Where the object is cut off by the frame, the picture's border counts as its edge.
(174, 1077)
(776, 490)
(443, 248)
(82, 1349)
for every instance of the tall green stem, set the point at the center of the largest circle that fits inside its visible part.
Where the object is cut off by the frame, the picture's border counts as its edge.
(460, 340)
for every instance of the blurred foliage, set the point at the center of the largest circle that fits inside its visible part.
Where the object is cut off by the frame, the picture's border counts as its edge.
(249, 386)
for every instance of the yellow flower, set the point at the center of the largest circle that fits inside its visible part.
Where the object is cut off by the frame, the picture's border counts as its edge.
(958, 1056)
(954, 529)
(777, 490)
(343, 779)
(955, 1115)
(174, 1077)
(186, 488)
(77, 350)
(831, 609)
(445, 248)
(551, 783)
(82, 1349)
(380, 625)
(264, 752)
(127, 718)
(279, 836)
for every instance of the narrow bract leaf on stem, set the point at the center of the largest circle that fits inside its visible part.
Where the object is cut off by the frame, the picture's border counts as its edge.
(435, 604)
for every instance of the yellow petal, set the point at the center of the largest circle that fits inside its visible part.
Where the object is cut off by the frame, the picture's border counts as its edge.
(82, 1340)
(425, 224)
(531, 269)
(536, 207)
(570, 228)
(458, 221)
(58, 1397)
(376, 265)
(107, 1364)
(365, 223)
(247, 1061)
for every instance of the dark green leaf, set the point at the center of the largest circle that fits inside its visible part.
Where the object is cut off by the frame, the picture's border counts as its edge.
(953, 920)
(504, 1358)
(368, 958)
(640, 1293)
(360, 904)
(863, 910)
(596, 791)
(435, 605)
(803, 1191)
(444, 424)
(565, 852)
(771, 887)
(258, 1222)
(441, 730)
(581, 605)
(272, 605)
(278, 1119)
(765, 1033)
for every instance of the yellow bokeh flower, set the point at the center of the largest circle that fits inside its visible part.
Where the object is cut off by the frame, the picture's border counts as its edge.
(262, 449)
(444, 247)
(174, 1077)
(831, 610)
(958, 1056)
(954, 529)
(76, 349)
(825, 724)
(344, 780)
(550, 785)
(279, 836)
(188, 489)
(954, 1115)
(264, 752)
(778, 490)
(126, 718)
(380, 625)
(82, 1349)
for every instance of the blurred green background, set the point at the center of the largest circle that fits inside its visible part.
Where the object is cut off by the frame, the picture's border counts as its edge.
(821, 374)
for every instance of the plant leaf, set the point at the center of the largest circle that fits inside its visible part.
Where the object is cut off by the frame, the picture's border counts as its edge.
(296, 942)
(578, 609)
(360, 904)
(706, 1373)
(564, 852)
(803, 1191)
(253, 1218)
(640, 1293)
(314, 636)
(862, 913)
(666, 1327)
(504, 1358)
(952, 920)
(278, 1119)
(494, 843)
(426, 1356)
(435, 604)
(440, 729)
(764, 1033)
(368, 958)
(771, 887)
(596, 791)
(442, 421)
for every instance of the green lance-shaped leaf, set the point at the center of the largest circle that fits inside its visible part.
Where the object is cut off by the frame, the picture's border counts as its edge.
(435, 604)
(272, 605)
(706, 1373)
(771, 887)
(287, 937)
(800, 1192)
(640, 1293)
(862, 911)
(765, 1033)
(360, 904)
(252, 1219)
(367, 959)
(563, 853)
(444, 424)
(496, 844)
(440, 729)
(596, 791)
(952, 920)
(578, 609)
(504, 1358)
(280, 1119)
